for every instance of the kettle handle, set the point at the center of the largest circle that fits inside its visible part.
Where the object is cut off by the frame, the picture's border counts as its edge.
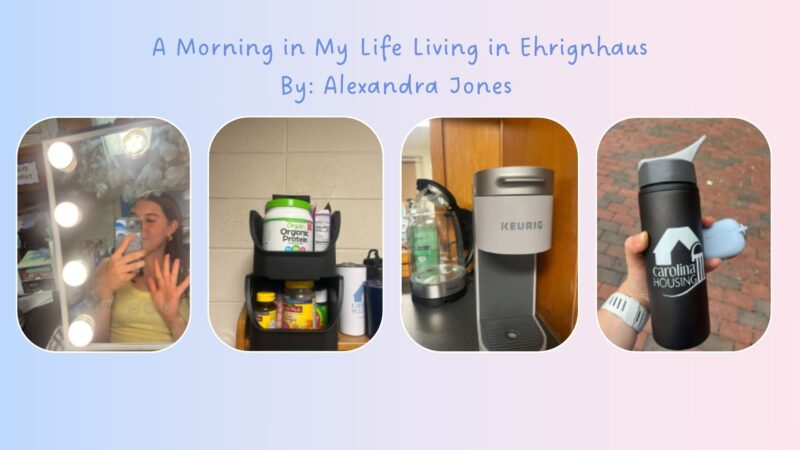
(424, 183)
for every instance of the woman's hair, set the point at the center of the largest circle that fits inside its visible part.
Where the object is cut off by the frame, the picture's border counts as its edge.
(174, 246)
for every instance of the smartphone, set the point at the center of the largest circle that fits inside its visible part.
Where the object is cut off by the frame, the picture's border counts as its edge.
(125, 226)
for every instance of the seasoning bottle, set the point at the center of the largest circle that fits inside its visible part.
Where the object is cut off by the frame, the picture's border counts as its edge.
(298, 304)
(320, 309)
(266, 310)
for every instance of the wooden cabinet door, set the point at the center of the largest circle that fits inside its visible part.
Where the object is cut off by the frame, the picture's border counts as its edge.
(461, 147)
(542, 142)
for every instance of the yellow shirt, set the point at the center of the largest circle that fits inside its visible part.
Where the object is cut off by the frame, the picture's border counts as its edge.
(134, 318)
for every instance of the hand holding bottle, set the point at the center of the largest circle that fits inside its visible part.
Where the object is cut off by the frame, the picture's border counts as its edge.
(635, 285)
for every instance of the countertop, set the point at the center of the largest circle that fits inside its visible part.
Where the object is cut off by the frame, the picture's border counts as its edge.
(450, 327)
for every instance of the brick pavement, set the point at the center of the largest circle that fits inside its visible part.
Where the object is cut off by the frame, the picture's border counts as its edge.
(733, 176)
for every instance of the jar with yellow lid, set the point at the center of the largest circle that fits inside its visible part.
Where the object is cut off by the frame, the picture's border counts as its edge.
(298, 304)
(266, 311)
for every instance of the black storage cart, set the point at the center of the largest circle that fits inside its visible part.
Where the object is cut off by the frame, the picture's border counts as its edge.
(271, 269)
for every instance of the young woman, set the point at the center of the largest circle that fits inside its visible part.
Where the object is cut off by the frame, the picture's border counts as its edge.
(140, 296)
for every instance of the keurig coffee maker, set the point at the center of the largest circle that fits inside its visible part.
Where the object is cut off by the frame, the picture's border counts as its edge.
(513, 210)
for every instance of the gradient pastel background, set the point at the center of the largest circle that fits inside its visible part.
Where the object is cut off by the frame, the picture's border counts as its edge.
(716, 59)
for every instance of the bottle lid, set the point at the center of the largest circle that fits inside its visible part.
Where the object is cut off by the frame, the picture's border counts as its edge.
(674, 168)
(374, 264)
(321, 296)
(290, 202)
(298, 284)
(265, 297)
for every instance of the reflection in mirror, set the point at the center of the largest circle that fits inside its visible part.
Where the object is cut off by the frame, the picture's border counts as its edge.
(103, 241)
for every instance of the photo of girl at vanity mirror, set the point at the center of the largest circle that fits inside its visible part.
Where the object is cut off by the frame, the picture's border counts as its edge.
(103, 234)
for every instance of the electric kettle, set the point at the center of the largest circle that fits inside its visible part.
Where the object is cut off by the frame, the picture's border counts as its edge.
(436, 242)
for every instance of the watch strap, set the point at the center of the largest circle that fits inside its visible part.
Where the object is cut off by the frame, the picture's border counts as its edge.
(628, 309)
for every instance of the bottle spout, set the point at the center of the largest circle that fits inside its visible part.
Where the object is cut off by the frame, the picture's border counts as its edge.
(687, 154)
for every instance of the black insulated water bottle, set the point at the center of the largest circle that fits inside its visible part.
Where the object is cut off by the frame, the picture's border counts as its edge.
(669, 207)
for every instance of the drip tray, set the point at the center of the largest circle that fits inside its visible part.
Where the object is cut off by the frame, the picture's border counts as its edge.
(512, 334)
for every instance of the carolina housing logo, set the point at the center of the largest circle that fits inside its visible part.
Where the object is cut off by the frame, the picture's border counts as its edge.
(678, 278)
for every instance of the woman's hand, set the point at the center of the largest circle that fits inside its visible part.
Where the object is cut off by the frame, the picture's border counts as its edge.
(166, 294)
(635, 285)
(118, 270)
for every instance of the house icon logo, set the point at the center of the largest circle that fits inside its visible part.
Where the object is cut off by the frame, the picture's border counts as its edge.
(678, 277)
(670, 239)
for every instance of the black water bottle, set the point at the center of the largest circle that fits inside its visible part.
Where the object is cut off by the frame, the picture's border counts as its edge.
(669, 206)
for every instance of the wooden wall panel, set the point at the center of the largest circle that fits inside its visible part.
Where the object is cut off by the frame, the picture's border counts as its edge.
(437, 151)
(541, 142)
(469, 145)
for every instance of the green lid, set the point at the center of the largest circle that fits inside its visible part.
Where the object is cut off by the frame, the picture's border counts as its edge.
(291, 202)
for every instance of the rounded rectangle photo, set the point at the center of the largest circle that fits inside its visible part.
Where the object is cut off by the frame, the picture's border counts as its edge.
(295, 234)
(489, 238)
(103, 234)
(683, 226)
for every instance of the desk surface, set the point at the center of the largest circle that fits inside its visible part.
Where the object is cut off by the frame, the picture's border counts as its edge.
(450, 327)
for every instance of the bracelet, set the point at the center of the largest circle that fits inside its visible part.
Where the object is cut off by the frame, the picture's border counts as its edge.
(102, 302)
(628, 309)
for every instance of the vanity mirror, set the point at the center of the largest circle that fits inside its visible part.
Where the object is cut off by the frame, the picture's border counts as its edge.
(103, 234)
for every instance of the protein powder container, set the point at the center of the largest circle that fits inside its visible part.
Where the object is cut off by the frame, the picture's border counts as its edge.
(288, 226)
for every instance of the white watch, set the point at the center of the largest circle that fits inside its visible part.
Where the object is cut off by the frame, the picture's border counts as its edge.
(628, 309)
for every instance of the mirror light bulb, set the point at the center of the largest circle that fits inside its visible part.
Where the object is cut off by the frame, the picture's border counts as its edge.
(75, 273)
(135, 143)
(61, 156)
(67, 214)
(81, 330)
